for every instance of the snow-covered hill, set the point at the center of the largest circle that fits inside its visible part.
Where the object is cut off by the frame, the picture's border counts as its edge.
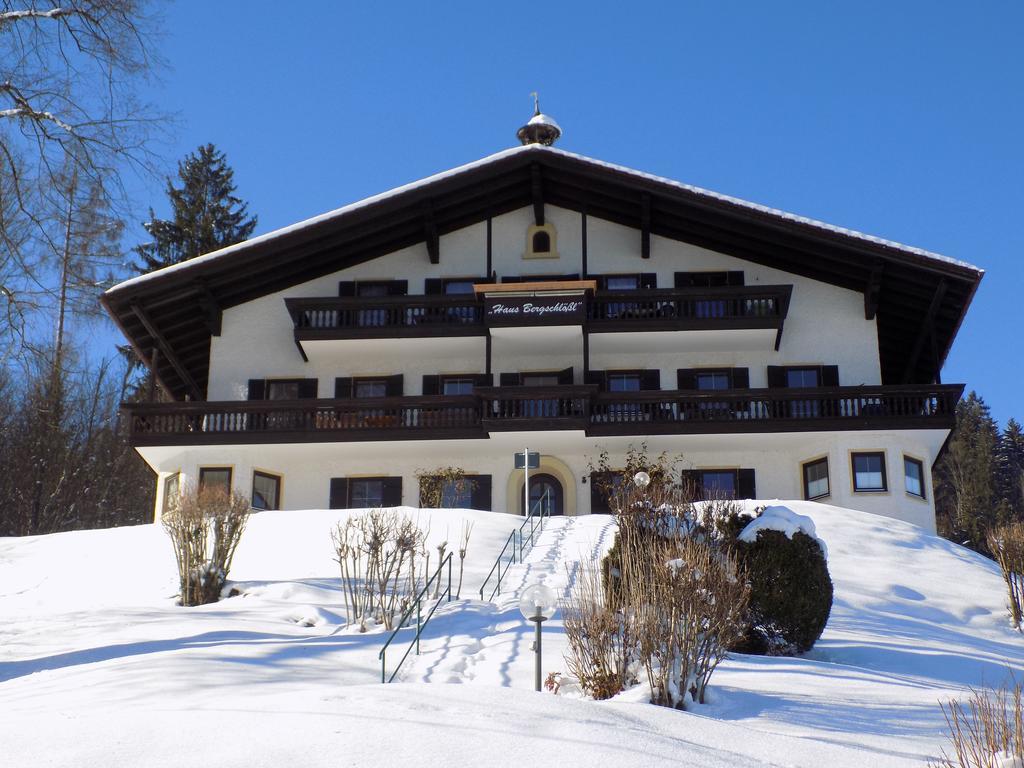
(98, 667)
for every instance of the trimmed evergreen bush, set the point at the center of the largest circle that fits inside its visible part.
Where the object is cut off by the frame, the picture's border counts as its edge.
(790, 593)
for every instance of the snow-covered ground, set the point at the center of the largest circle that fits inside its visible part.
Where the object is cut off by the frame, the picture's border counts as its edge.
(99, 667)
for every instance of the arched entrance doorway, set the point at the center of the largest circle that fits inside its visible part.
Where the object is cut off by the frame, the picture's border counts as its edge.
(547, 490)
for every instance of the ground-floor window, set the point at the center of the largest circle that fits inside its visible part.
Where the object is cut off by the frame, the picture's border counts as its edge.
(359, 492)
(913, 473)
(816, 479)
(471, 492)
(710, 484)
(266, 490)
(172, 487)
(215, 480)
(869, 471)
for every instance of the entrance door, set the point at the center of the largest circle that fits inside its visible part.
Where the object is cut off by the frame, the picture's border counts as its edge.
(546, 490)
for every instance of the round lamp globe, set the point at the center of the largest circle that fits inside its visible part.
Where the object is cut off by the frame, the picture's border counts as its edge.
(538, 602)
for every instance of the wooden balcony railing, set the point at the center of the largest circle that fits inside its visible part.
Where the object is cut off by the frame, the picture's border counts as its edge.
(490, 409)
(463, 315)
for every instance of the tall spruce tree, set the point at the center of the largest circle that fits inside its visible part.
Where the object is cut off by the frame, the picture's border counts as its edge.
(206, 214)
(966, 500)
(1010, 469)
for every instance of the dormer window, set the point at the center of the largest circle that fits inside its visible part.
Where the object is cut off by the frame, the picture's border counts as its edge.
(541, 242)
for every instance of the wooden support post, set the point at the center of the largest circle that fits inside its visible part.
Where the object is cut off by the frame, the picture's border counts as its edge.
(154, 358)
(927, 327)
(168, 352)
(873, 291)
(430, 233)
(490, 257)
(537, 189)
(645, 226)
(583, 241)
(487, 344)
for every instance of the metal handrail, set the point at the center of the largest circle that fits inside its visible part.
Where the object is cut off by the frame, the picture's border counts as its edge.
(421, 622)
(536, 520)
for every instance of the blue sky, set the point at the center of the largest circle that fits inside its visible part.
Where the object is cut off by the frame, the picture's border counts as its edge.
(903, 120)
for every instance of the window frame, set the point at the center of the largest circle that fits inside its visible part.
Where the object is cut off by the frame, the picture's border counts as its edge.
(164, 502)
(444, 379)
(351, 492)
(268, 383)
(357, 380)
(229, 468)
(804, 466)
(636, 375)
(923, 496)
(734, 474)
(278, 482)
(853, 472)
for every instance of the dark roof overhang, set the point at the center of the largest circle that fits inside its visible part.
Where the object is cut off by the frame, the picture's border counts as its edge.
(919, 298)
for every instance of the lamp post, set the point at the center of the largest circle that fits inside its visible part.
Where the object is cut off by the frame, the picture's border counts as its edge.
(537, 604)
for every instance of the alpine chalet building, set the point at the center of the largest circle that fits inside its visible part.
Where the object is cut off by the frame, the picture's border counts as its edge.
(537, 298)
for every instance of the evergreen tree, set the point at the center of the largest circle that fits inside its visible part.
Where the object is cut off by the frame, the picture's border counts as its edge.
(966, 502)
(206, 214)
(1010, 469)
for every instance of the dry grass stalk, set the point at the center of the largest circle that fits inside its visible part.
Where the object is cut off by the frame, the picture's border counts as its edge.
(987, 732)
(1006, 542)
(205, 528)
(467, 531)
(601, 640)
(377, 554)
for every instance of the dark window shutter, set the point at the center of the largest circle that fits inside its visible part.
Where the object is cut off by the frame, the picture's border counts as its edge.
(347, 288)
(431, 385)
(481, 493)
(343, 387)
(746, 488)
(597, 378)
(484, 380)
(308, 389)
(693, 483)
(683, 280)
(395, 385)
(257, 389)
(735, 278)
(648, 280)
(598, 494)
(776, 377)
(398, 287)
(339, 493)
(686, 378)
(650, 379)
(740, 378)
(510, 379)
(433, 286)
(830, 375)
(565, 376)
(392, 492)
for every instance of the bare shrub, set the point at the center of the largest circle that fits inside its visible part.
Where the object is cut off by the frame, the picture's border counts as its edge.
(379, 555)
(602, 644)
(467, 532)
(1006, 542)
(205, 528)
(434, 483)
(987, 731)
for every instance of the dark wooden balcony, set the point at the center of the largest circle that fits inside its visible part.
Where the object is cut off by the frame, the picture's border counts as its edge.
(685, 309)
(491, 409)
(736, 307)
(535, 408)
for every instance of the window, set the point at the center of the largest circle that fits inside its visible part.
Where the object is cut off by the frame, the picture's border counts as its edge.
(457, 385)
(816, 479)
(283, 389)
(457, 495)
(707, 279)
(458, 287)
(215, 480)
(718, 484)
(540, 380)
(366, 492)
(266, 491)
(802, 377)
(624, 382)
(172, 487)
(370, 388)
(713, 380)
(622, 282)
(869, 472)
(541, 242)
(913, 476)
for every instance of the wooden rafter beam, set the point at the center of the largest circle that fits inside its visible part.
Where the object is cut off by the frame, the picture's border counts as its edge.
(167, 351)
(873, 291)
(537, 191)
(430, 233)
(926, 330)
(645, 225)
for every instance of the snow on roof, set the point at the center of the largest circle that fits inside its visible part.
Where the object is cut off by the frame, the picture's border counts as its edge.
(484, 161)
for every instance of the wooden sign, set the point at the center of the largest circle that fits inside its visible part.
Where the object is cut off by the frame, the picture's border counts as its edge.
(534, 310)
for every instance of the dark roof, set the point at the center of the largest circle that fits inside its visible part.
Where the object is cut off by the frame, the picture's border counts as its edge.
(921, 297)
